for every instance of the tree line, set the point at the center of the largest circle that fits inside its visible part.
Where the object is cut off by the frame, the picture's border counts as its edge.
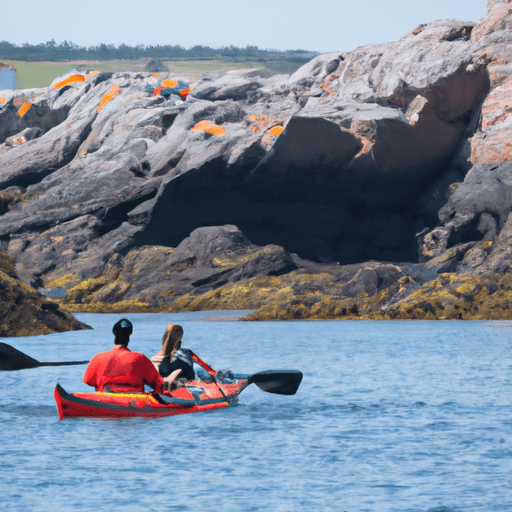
(68, 51)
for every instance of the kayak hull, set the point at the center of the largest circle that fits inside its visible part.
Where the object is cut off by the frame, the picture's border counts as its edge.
(195, 397)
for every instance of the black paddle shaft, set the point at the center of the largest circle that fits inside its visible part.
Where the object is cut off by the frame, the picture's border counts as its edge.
(63, 363)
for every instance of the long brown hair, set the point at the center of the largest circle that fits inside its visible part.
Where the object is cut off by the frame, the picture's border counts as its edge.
(171, 339)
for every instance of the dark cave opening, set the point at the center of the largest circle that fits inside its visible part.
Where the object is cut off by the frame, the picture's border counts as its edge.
(318, 194)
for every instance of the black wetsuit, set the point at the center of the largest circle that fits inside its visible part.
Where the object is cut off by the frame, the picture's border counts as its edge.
(181, 360)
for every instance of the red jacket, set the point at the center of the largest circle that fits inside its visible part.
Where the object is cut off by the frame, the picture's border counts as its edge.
(122, 370)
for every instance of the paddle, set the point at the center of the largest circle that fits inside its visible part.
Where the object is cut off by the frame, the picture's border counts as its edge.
(212, 373)
(12, 359)
(280, 382)
(201, 363)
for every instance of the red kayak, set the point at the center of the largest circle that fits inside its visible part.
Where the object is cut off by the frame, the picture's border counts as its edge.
(196, 396)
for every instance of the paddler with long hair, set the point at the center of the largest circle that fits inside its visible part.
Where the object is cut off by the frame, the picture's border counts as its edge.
(120, 370)
(172, 357)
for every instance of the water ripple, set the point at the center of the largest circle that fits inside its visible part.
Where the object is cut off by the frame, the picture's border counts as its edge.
(390, 417)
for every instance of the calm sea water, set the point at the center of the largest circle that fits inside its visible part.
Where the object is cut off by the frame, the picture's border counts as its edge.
(390, 416)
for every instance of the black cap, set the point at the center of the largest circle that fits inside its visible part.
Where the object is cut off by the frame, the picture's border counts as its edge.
(122, 331)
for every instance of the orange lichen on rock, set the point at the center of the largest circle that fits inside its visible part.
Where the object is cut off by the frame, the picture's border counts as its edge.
(209, 127)
(19, 101)
(71, 79)
(3, 100)
(498, 72)
(24, 108)
(198, 127)
(367, 145)
(253, 118)
(267, 140)
(172, 86)
(496, 19)
(364, 133)
(169, 83)
(325, 87)
(91, 74)
(276, 130)
(108, 96)
(496, 109)
(502, 115)
(18, 141)
(262, 122)
(494, 149)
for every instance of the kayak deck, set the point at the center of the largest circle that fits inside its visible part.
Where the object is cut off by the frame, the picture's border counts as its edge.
(195, 397)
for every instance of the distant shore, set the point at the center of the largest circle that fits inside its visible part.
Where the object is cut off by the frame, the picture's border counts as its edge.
(40, 74)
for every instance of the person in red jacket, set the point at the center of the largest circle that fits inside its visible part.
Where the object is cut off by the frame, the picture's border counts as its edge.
(120, 369)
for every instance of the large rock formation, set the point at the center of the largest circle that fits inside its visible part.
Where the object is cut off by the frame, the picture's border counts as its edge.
(124, 191)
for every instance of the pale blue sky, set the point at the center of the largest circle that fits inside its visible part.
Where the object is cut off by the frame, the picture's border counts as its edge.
(318, 25)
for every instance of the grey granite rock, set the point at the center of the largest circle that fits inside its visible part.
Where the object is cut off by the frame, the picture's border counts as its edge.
(344, 161)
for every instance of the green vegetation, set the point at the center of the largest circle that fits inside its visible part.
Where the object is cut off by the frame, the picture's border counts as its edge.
(38, 74)
(38, 65)
(41, 74)
(68, 51)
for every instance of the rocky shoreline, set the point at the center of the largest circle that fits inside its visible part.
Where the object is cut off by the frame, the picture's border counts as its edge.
(25, 312)
(372, 184)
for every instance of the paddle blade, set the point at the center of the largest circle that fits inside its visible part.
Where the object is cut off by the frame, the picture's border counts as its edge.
(280, 382)
(12, 359)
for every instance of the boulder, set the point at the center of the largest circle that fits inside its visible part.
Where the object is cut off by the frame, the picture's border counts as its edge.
(476, 212)
(156, 66)
(154, 276)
